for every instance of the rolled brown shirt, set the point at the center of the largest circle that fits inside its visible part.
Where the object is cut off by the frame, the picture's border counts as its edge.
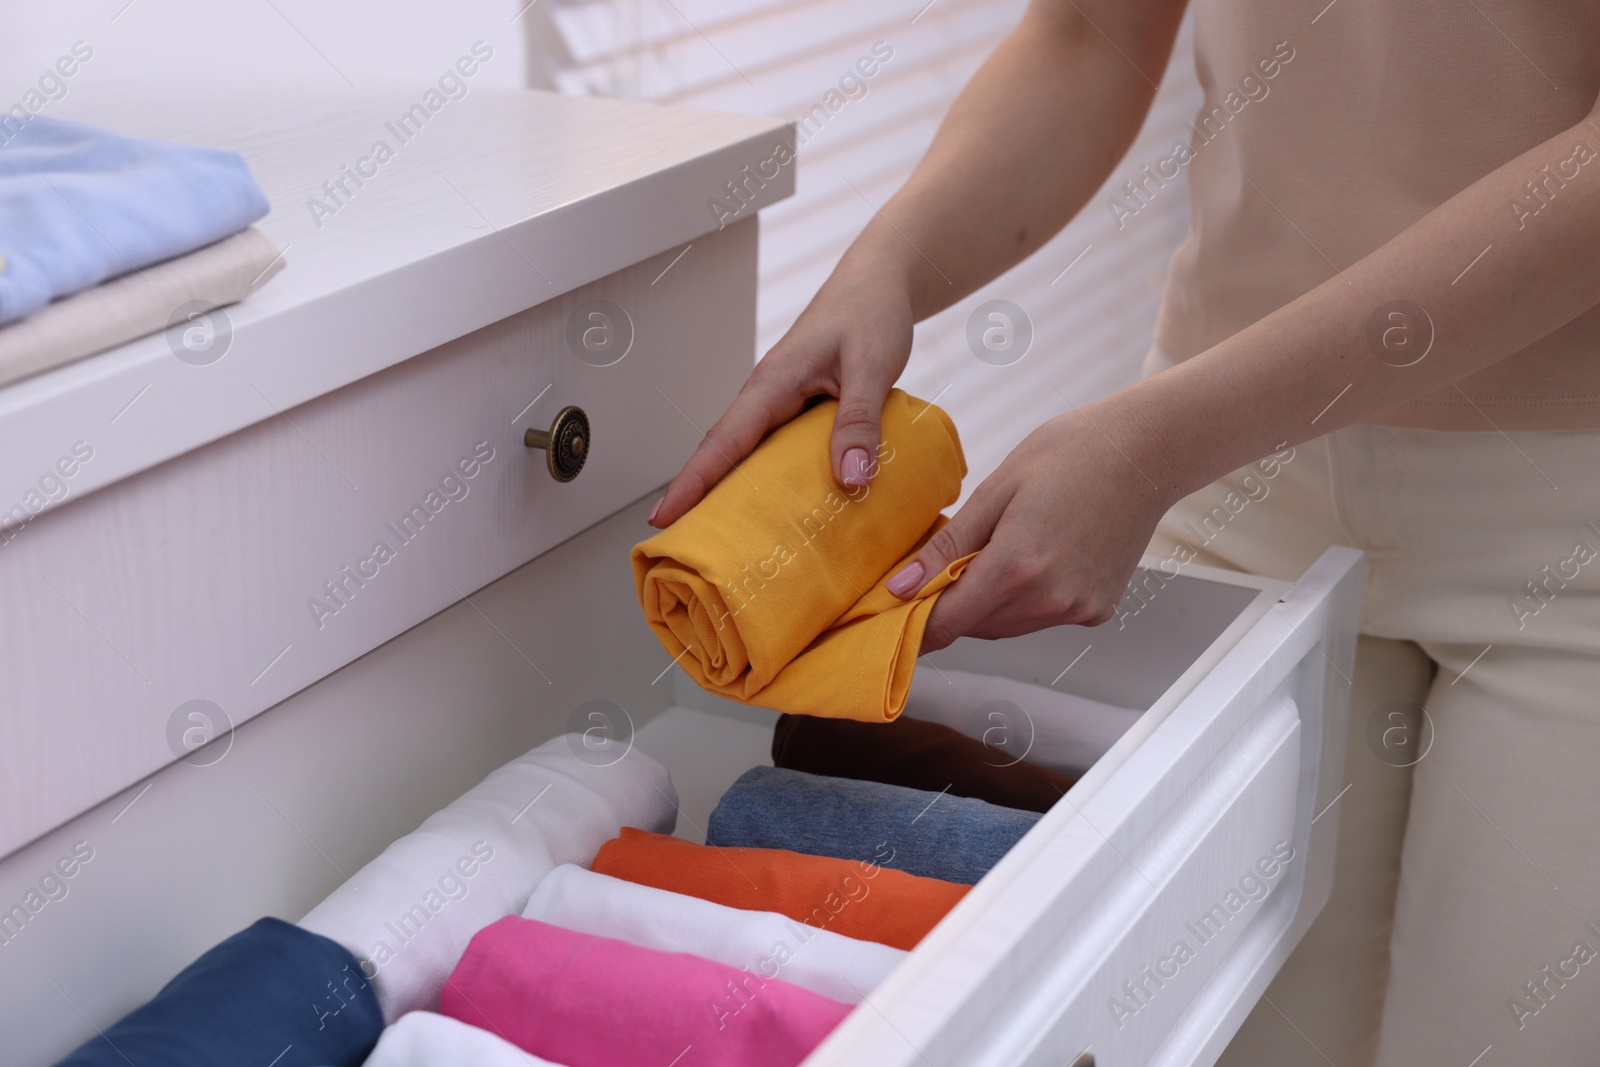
(916, 754)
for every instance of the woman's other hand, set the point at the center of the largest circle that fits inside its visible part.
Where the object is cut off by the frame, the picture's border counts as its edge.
(1058, 528)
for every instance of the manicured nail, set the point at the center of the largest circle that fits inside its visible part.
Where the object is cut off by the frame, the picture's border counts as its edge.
(855, 467)
(906, 579)
(652, 516)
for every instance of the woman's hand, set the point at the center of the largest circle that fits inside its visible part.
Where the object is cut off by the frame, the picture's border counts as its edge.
(1058, 529)
(1022, 149)
(851, 342)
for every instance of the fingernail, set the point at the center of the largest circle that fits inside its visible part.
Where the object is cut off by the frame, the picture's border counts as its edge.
(855, 467)
(906, 579)
(652, 516)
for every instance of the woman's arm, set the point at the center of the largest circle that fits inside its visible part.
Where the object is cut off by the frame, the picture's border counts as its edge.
(1033, 135)
(1271, 380)
(1029, 140)
(1304, 370)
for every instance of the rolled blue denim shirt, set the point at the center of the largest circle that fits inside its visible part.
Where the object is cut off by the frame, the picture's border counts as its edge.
(931, 834)
(271, 994)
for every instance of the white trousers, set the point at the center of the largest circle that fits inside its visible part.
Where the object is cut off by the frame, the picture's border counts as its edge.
(1483, 553)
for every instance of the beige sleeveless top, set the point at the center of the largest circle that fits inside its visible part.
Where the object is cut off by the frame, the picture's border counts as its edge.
(1353, 124)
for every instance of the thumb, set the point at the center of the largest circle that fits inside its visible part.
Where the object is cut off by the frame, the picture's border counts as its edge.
(857, 425)
(963, 535)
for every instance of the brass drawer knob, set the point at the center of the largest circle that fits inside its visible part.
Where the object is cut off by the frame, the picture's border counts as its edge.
(565, 444)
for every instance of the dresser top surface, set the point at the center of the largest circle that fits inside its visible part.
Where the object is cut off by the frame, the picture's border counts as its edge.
(495, 202)
(477, 165)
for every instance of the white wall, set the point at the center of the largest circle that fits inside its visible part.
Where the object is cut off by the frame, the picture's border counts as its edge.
(229, 47)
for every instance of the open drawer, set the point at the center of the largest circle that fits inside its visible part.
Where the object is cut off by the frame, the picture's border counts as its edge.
(1067, 945)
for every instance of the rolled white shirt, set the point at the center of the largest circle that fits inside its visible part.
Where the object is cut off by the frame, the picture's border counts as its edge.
(424, 1039)
(409, 914)
(766, 943)
(1064, 732)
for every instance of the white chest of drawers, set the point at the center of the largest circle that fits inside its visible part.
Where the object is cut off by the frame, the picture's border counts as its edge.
(222, 547)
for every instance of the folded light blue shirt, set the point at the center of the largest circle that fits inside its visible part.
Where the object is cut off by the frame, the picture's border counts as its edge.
(79, 205)
(935, 835)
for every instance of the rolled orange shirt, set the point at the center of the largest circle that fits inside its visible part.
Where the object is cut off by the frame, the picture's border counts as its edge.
(855, 898)
(770, 590)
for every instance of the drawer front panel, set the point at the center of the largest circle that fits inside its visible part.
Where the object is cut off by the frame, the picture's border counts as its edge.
(1131, 964)
(1029, 965)
(245, 571)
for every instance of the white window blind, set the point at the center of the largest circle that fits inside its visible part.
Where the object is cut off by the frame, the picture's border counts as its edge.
(859, 139)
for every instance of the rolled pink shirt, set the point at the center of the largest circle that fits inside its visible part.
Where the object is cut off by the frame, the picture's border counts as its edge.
(588, 1001)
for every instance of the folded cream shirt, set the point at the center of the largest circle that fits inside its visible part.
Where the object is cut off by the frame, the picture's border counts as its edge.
(136, 304)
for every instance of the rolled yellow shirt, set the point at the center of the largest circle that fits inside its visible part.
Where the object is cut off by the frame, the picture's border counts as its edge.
(770, 590)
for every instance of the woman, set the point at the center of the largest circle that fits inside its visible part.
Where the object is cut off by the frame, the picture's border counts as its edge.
(1389, 283)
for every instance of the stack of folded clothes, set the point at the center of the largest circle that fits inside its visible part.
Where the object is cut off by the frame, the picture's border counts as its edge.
(104, 237)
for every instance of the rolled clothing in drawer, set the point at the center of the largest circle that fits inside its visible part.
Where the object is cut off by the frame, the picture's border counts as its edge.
(245, 1001)
(588, 1001)
(851, 897)
(771, 945)
(955, 839)
(426, 1039)
(1062, 731)
(918, 755)
(410, 913)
